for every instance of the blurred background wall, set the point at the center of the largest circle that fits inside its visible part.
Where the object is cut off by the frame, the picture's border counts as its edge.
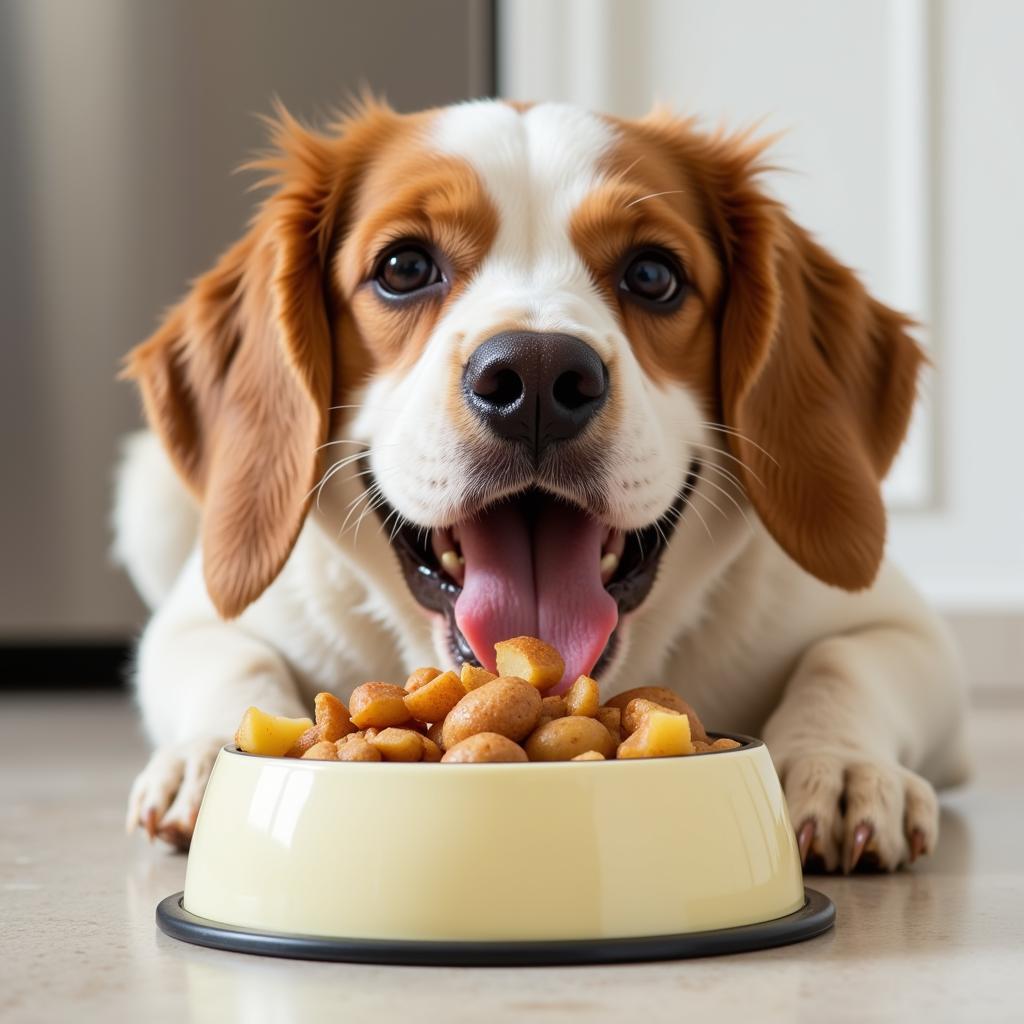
(121, 122)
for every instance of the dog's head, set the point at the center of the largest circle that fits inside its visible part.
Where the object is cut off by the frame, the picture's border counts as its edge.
(537, 336)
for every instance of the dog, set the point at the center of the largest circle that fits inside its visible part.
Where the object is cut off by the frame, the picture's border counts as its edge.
(500, 369)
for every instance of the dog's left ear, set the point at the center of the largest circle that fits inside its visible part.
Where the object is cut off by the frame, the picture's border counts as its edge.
(237, 380)
(817, 381)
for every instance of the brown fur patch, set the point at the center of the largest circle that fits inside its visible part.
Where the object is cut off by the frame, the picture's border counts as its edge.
(411, 193)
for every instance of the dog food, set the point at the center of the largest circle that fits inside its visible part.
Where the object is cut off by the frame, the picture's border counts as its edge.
(476, 717)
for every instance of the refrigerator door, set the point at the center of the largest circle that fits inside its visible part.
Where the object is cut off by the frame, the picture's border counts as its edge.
(122, 124)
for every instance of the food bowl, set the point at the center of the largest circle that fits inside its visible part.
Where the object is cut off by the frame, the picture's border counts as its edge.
(495, 863)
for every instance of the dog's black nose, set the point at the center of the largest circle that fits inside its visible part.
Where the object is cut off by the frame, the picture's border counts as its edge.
(535, 388)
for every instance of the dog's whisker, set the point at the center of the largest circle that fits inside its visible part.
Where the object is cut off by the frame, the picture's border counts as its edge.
(379, 503)
(711, 502)
(728, 455)
(731, 431)
(369, 496)
(728, 474)
(363, 495)
(689, 504)
(334, 468)
(739, 507)
(340, 440)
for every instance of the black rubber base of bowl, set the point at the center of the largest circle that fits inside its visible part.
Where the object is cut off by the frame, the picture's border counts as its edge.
(817, 915)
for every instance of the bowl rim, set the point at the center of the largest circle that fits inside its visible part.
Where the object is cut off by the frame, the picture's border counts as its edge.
(748, 744)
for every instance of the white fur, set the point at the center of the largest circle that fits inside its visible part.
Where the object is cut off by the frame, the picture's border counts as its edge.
(858, 696)
(148, 491)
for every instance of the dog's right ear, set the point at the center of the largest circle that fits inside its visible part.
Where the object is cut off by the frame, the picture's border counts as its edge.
(237, 380)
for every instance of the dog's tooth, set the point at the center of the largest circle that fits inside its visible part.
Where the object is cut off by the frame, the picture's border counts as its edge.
(451, 563)
(609, 563)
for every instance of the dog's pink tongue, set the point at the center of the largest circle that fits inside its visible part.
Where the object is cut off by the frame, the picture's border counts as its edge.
(497, 591)
(546, 585)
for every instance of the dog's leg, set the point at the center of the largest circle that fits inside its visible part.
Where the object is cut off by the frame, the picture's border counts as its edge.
(863, 714)
(196, 675)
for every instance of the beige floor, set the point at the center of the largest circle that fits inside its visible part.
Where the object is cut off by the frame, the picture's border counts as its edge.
(78, 943)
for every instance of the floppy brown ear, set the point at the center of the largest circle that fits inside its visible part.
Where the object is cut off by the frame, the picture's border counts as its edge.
(818, 381)
(237, 380)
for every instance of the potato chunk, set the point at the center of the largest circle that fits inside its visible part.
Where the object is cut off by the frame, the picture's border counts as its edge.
(484, 747)
(583, 697)
(324, 750)
(611, 719)
(474, 676)
(355, 748)
(667, 698)
(637, 710)
(420, 677)
(724, 743)
(308, 739)
(563, 738)
(434, 699)
(507, 706)
(553, 707)
(331, 717)
(530, 659)
(589, 755)
(378, 705)
(660, 734)
(269, 735)
(398, 744)
(431, 751)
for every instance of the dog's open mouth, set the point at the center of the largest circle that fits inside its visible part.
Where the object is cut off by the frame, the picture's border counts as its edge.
(535, 565)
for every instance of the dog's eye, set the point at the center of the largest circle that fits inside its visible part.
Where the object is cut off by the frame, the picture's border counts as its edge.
(406, 269)
(652, 276)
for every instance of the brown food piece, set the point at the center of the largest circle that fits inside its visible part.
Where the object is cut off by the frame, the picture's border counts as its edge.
(589, 755)
(507, 706)
(553, 707)
(331, 717)
(395, 744)
(484, 747)
(665, 697)
(474, 676)
(323, 750)
(724, 743)
(379, 705)
(530, 659)
(583, 697)
(432, 700)
(611, 719)
(310, 737)
(431, 751)
(700, 747)
(420, 676)
(563, 738)
(434, 733)
(636, 710)
(357, 749)
(660, 734)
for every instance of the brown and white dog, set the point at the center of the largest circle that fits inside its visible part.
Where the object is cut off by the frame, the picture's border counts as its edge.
(586, 380)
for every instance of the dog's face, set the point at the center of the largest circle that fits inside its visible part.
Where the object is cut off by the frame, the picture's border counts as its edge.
(538, 336)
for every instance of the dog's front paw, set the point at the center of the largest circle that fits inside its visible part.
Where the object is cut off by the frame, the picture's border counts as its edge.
(849, 812)
(166, 795)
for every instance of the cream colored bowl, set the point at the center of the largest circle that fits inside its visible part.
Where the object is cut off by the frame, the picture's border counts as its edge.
(494, 852)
